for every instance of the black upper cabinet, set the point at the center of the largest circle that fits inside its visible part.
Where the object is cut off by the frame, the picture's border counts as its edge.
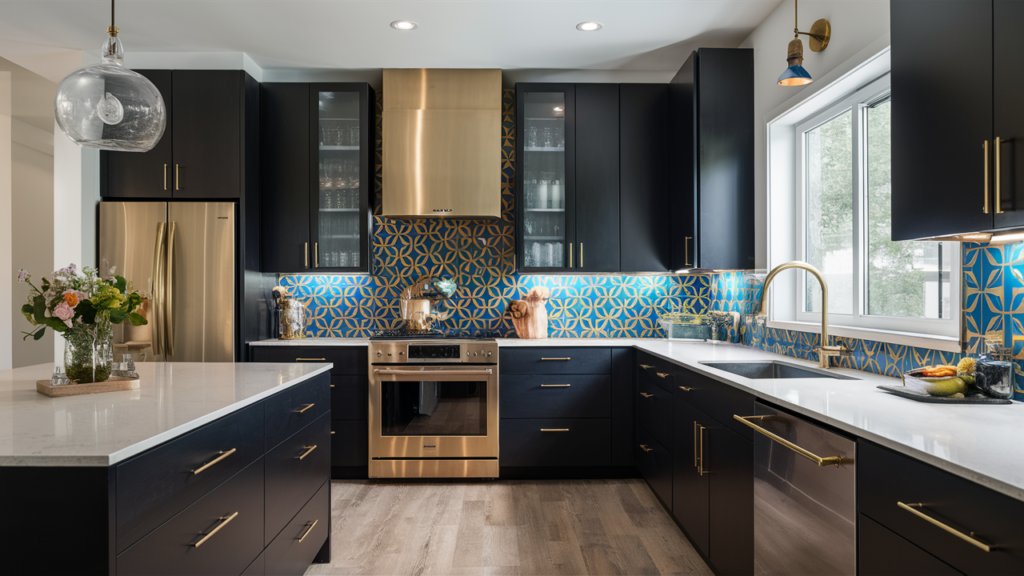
(147, 174)
(201, 154)
(316, 177)
(942, 115)
(597, 177)
(643, 178)
(1008, 66)
(712, 172)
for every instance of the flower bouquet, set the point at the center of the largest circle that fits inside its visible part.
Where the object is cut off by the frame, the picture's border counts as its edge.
(82, 307)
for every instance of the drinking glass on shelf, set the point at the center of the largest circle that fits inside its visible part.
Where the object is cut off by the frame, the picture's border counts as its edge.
(343, 260)
(560, 135)
(559, 249)
(548, 138)
(353, 259)
(531, 136)
(353, 134)
(549, 247)
(535, 251)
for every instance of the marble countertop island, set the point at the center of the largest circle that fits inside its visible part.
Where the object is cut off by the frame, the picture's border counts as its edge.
(103, 429)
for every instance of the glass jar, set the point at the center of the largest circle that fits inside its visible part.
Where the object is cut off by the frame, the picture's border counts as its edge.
(88, 353)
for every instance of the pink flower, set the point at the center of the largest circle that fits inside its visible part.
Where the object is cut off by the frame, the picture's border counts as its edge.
(22, 275)
(64, 312)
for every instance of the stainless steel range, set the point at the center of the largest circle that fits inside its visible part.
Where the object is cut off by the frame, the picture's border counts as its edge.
(433, 407)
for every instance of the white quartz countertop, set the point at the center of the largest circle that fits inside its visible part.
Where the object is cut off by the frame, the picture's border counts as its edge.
(103, 429)
(313, 342)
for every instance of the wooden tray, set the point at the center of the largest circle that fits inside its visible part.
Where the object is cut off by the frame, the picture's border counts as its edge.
(112, 384)
(911, 394)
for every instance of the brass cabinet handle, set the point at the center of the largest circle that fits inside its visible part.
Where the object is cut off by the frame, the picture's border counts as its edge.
(581, 254)
(700, 468)
(304, 408)
(555, 359)
(555, 385)
(165, 176)
(177, 180)
(308, 450)
(646, 448)
(221, 455)
(308, 530)
(663, 374)
(223, 522)
(316, 254)
(686, 250)
(686, 389)
(696, 459)
(570, 254)
(947, 528)
(332, 432)
(984, 146)
(829, 460)
(312, 360)
(646, 366)
(332, 385)
(999, 200)
(306, 255)
(554, 429)
(646, 395)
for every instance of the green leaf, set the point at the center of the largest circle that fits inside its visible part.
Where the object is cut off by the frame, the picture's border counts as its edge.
(57, 324)
(86, 311)
(39, 333)
(39, 309)
(121, 284)
(137, 319)
(116, 316)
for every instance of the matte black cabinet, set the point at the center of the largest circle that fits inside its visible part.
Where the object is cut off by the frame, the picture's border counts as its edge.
(949, 174)
(712, 153)
(316, 177)
(211, 126)
(592, 178)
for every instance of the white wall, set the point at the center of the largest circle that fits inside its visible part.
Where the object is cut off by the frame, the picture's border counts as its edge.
(856, 24)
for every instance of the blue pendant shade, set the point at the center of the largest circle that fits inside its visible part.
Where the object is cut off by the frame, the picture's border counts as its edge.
(795, 75)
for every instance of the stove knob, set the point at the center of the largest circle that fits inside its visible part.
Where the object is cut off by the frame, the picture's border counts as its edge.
(379, 354)
(489, 354)
(389, 353)
(401, 353)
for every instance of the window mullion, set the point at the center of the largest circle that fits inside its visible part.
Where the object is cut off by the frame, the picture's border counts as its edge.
(859, 211)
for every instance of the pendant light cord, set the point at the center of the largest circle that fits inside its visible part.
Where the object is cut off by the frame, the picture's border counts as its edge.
(112, 30)
(796, 18)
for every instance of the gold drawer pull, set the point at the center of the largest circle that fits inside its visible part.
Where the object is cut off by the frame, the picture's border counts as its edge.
(332, 432)
(646, 395)
(663, 375)
(828, 460)
(308, 450)
(555, 359)
(223, 522)
(646, 366)
(221, 455)
(304, 408)
(554, 429)
(312, 360)
(308, 530)
(332, 385)
(646, 448)
(947, 528)
(686, 389)
(555, 385)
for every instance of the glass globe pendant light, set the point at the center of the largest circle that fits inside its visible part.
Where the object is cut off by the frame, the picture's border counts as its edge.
(109, 107)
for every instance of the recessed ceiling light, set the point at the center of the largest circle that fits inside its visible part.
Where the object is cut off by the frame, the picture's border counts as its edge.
(559, 108)
(404, 25)
(589, 26)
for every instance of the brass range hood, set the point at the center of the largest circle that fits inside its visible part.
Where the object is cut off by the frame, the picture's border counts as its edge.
(441, 137)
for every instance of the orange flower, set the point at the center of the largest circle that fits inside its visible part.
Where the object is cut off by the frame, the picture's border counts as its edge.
(71, 298)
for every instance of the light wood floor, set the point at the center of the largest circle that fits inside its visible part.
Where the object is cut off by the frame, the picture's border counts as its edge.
(515, 527)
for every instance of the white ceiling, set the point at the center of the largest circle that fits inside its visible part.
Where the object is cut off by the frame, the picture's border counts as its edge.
(638, 35)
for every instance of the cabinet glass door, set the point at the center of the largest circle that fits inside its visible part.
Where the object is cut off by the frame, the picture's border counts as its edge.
(339, 225)
(545, 182)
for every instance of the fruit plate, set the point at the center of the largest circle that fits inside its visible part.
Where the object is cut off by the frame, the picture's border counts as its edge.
(911, 394)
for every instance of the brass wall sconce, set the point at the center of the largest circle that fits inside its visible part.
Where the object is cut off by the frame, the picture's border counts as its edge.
(818, 37)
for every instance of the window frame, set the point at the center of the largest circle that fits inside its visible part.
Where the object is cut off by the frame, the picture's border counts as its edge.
(856, 103)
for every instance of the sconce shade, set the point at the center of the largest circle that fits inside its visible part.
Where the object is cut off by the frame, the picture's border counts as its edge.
(795, 75)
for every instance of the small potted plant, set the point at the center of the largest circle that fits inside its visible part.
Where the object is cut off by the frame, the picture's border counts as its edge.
(82, 307)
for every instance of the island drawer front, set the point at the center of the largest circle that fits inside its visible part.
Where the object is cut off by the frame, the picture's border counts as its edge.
(556, 442)
(716, 399)
(350, 443)
(556, 396)
(659, 371)
(349, 397)
(291, 409)
(161, 482)
(294, 471)
(655, 464)
(887, 478)
(171, 549)
(654, 410)
(298, 543)
(556, 361)
(882, 552)
(346, 359)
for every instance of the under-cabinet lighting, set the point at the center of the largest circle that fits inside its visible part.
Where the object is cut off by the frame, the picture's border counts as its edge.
(404, 25)
(589, 26)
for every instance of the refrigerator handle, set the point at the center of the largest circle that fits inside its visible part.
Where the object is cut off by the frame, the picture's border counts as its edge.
(169, 290)
(156, 330)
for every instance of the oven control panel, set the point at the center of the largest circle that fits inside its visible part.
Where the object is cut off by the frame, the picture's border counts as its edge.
(449, 352)
(432, 351)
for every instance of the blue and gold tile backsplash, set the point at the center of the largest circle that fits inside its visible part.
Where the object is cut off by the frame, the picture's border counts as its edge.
(479, 255)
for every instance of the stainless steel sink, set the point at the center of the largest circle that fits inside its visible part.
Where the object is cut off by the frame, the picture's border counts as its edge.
(763, 370)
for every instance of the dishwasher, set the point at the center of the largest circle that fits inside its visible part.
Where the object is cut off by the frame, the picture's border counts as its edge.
(805, 496)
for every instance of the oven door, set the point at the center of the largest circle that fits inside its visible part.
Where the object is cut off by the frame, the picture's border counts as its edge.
(433, 412)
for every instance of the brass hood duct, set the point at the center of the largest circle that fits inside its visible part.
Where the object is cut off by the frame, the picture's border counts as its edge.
(441, 136)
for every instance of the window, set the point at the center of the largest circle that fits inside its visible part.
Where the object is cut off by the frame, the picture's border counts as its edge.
(843, 172)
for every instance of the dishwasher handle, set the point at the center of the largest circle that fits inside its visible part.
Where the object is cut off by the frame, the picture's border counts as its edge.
(826, 461)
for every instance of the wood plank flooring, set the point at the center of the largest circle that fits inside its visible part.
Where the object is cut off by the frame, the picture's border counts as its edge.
(507, 527)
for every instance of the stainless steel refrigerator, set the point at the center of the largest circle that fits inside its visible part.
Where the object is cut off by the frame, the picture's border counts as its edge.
(183, 255)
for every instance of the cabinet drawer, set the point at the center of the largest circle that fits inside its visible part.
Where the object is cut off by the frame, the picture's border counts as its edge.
(555, 442)
(556, 396)
(887, 478)
(161, 482)
(883, 552)
(655, 464)
(556, 360)
(350, 443)
(659, 371)
(298, 543)
(230, 519)
(346, 359)
(294, 470)
(654, 410)
(716, 399)
(349, 397)
(291, 409)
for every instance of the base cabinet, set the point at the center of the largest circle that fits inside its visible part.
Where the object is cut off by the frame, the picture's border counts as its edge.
(300, 541)
(882, 552)
(655, 464)
(691, 487)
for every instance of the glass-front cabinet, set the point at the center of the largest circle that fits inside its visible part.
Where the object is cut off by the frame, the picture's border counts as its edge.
(546, 179)
(340, 208)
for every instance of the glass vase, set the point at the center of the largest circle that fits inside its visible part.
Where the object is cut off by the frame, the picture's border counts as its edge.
(88, 353)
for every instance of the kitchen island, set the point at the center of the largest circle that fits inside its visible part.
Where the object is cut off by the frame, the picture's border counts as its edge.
(175, 477)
